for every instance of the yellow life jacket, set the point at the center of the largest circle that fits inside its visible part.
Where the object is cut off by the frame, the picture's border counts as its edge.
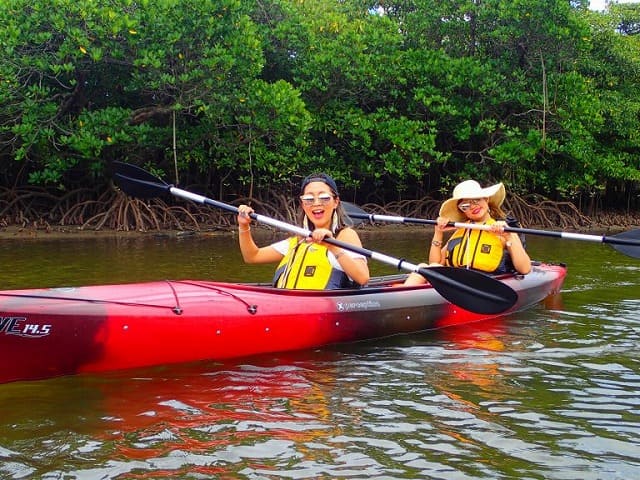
(306, 266)
(477, 249)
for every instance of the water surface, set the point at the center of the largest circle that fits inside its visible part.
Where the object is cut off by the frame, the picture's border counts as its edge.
(549, 393)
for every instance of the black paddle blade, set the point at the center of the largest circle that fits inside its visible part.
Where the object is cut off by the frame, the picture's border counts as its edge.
(471, 290)
(137, 182)
(627, 243)
(355, 213)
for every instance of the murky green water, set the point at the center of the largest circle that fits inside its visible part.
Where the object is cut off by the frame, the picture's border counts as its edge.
(549, 393)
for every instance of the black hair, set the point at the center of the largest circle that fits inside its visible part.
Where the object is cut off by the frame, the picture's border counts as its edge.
(320, 177)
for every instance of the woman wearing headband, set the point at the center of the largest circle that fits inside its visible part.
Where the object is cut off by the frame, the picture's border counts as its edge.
(309, 263)
(494, 251)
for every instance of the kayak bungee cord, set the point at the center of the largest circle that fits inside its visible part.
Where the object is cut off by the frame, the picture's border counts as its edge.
(252, 309)
(177, 308)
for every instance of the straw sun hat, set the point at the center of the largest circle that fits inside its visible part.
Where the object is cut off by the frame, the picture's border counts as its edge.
(471, 189)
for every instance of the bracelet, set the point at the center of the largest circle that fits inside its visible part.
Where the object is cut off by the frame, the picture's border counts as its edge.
(436, 243)
(245, 230)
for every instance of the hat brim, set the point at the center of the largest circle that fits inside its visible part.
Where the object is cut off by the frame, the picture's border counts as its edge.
(495, 193)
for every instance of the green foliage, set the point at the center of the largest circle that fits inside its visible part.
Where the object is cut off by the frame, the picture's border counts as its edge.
(396, 98)
(267, 144)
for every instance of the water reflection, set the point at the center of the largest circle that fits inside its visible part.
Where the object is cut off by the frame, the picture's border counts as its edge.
(145, 419)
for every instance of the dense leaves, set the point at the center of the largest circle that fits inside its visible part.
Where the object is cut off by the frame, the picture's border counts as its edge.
(397, 99)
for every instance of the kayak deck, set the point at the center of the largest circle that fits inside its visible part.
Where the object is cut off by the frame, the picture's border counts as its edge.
(62, 331)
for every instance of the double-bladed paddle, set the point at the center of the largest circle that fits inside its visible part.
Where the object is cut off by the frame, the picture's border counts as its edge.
(468, 289)
(627, 242)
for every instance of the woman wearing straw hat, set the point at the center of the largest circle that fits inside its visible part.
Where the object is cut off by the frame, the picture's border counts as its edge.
(494, 251)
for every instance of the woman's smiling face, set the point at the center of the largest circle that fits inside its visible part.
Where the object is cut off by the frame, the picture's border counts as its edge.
(318, 203)
(474, 208)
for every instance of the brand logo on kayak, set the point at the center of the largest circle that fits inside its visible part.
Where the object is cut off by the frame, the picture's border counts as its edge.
(347, 307)
(19, 326)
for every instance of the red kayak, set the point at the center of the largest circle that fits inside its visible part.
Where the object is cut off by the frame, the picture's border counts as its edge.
(63, 331)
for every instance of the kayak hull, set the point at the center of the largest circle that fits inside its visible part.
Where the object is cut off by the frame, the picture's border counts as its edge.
(63, 331)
